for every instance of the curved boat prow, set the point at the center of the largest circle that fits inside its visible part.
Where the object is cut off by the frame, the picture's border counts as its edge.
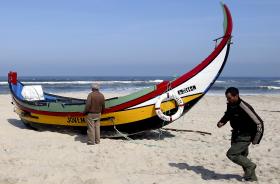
(225, 42)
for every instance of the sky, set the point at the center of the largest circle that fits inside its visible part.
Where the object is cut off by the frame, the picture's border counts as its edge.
(135, 38)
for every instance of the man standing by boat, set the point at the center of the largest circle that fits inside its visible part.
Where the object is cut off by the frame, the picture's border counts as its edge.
(247, 128)
(95, 105)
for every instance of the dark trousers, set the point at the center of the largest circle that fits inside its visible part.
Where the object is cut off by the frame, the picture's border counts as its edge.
(239, 150)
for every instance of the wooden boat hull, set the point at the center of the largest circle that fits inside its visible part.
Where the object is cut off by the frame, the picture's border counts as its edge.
(40, 122)
(133, 113)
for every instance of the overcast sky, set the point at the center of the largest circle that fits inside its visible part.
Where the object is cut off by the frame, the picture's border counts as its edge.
(125, 37)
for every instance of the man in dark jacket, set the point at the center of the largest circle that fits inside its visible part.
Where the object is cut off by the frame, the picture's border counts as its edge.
(247, 128)
(95, 105)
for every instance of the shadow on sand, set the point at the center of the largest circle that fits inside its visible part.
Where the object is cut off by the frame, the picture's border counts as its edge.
(19, 124)
(81, 134)
(206, 174)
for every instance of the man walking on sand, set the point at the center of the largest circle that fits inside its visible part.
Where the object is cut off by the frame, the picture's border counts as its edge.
(95, 105)
(247, 127)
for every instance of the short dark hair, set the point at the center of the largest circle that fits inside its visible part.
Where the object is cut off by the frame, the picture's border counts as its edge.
(232, 90)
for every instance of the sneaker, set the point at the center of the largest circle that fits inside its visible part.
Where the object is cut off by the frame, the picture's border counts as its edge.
(250, 174)
(251, 179)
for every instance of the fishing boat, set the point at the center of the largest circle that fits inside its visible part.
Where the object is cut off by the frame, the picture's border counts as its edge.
(147, 109)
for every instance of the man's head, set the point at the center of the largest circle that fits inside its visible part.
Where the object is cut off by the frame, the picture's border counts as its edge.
(232, 95)
(95, 86)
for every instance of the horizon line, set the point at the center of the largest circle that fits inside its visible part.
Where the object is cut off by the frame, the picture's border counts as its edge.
(135, 76)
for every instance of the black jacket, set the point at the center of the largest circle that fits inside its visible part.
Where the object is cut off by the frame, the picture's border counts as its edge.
(244, 120)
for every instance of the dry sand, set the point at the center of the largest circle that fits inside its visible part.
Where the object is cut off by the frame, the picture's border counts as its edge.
(28, 156)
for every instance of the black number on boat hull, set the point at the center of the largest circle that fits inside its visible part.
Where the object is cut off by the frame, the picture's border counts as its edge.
(187, 89)
(76, 120)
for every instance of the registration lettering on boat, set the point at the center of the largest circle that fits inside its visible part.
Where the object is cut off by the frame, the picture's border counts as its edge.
(187, 89)
(76, 120)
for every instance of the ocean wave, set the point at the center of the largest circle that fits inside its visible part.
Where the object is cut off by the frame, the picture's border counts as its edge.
(247, 88)
(88, 82)
(58, 82)
(156, 81)
(271, 87)
(218, 81)
(278, 81)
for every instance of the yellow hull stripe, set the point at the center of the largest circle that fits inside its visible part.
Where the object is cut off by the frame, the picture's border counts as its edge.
(119, 117)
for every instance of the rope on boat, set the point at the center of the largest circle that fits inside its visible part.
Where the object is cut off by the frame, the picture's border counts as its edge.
(132, 140)
(184, 130)
(160, 129)
(163, 122)
(120, 133)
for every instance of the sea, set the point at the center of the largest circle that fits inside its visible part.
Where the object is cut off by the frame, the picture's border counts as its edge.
(64, 84)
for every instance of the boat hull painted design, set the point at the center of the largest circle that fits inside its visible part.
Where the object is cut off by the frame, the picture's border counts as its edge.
(132, 113)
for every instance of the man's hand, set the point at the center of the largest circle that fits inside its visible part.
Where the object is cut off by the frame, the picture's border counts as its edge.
(220, 124)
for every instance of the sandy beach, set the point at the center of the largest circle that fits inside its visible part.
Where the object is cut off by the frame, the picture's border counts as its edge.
(167, 157)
